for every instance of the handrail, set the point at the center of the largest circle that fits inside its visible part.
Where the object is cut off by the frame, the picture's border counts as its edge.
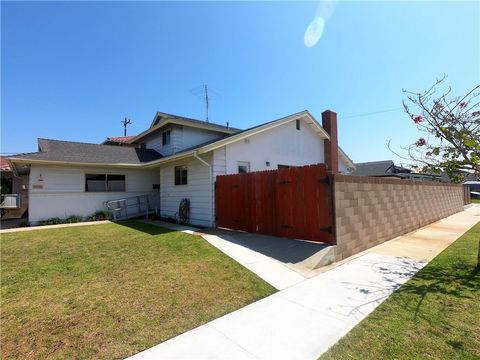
(10, 201)
(126, 208)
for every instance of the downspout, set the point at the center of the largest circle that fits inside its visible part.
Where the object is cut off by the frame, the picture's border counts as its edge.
(209, 184)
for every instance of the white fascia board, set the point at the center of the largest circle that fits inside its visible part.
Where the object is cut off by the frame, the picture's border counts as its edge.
(70, 163)
(168, 159)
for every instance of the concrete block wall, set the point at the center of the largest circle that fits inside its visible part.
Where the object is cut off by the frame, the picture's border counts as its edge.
(369, 211)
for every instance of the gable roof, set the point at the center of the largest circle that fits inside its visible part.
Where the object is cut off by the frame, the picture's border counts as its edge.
(240, 135)
(161, 119)
(378, 168)
(67, 152)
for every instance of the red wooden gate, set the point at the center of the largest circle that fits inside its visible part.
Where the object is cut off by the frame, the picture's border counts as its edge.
(293, 203)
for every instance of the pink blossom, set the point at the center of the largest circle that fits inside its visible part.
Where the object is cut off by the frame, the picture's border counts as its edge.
(463, 104)
(428, 153)
(421, 142)
(476, 113)
(418, 119)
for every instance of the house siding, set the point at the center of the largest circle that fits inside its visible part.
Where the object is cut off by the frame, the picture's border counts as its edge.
(193, 136)
(283, 145)
(154, 141)
(63, 193)
(197, 190)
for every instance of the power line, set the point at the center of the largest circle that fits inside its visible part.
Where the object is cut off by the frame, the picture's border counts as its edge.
(372, 113)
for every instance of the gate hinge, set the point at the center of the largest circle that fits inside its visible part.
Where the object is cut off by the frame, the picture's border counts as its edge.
(326, 180)
(328, 229)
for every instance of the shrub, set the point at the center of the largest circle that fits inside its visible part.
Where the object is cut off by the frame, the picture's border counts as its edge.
(100, 215)
(73, 219)
(51, 221)
(23, 223)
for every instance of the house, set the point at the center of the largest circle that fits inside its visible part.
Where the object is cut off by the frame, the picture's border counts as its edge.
(175, 158)
(14, 199)
(387, 168)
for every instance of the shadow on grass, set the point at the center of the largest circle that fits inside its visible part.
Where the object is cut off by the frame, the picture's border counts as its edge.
(145, 228)
(458, 281)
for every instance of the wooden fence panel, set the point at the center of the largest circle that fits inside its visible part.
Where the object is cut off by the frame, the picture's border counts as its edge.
(292, 203)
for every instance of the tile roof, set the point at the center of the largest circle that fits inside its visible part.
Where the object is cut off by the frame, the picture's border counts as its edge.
(4, 164)
(120, 139)
(77, 152)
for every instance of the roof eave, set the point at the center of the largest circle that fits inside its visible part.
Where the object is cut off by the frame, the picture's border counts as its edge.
(206, 126)
(71, 163)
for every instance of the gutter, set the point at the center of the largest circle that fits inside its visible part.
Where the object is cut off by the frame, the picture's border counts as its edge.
(195, 155)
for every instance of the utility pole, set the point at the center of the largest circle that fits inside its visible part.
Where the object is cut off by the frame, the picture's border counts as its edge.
(125, 123)
(206, 100)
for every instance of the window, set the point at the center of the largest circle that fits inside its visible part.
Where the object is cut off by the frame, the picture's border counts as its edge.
(283, 166)
(297, 124)
(166, 138)
(181, 175)
(104, 182)
(143, 146)
(243, 167)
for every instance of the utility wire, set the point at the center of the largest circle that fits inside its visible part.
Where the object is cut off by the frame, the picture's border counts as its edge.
(371, 113)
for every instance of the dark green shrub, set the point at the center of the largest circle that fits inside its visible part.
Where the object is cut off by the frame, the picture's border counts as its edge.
(51, 221)
(100, 215)
(23, 223)
(73, 219)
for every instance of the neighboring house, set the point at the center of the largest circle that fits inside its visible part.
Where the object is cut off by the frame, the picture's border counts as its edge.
(387, 168)
(14, 197)
(175, 158)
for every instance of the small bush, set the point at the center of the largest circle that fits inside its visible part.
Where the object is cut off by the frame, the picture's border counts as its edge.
(23, 223)
(51, 221)
(100, 215)
(73, 219)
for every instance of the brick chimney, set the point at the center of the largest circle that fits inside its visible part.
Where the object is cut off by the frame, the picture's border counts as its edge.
(330, 147)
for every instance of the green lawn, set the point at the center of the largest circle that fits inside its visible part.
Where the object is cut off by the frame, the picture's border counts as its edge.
(109, 291)
(435, 315)
(475, 201)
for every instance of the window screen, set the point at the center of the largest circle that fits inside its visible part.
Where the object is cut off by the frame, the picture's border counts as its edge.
(181, 175)
(116, 183)
(95, 182)
(104, 182)
(166, 137)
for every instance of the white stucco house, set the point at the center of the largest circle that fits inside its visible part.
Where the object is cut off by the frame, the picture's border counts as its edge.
(175, 158)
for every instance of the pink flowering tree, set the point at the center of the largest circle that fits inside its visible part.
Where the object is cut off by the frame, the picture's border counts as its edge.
(451, 131)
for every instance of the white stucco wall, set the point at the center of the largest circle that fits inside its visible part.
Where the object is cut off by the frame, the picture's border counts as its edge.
(198, 190)
(284, 145)
(63, 193)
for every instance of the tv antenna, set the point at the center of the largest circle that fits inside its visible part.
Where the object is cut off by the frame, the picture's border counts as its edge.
(125, 123)
(205, 94)
(206, 101)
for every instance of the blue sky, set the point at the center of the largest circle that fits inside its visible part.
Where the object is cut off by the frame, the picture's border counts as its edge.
(74, 70)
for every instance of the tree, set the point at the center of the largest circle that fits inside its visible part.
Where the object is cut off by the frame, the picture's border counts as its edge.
(452, 125)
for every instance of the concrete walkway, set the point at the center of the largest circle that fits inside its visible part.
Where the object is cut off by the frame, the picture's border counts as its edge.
(304, 320)
(46, 227)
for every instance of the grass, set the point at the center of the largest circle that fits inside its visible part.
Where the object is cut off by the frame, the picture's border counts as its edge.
(477, 201)
(109, 291)
(435, 315)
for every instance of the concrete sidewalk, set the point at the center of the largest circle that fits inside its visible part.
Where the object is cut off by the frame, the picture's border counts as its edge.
(304, 320)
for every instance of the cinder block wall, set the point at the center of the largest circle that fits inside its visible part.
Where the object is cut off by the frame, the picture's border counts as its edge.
(369, 211)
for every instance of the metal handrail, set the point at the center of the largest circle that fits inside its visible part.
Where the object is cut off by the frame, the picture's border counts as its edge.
(129, 207)
(10, 201)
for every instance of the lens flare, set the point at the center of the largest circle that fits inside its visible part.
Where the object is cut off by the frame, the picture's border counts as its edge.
(314, 32)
